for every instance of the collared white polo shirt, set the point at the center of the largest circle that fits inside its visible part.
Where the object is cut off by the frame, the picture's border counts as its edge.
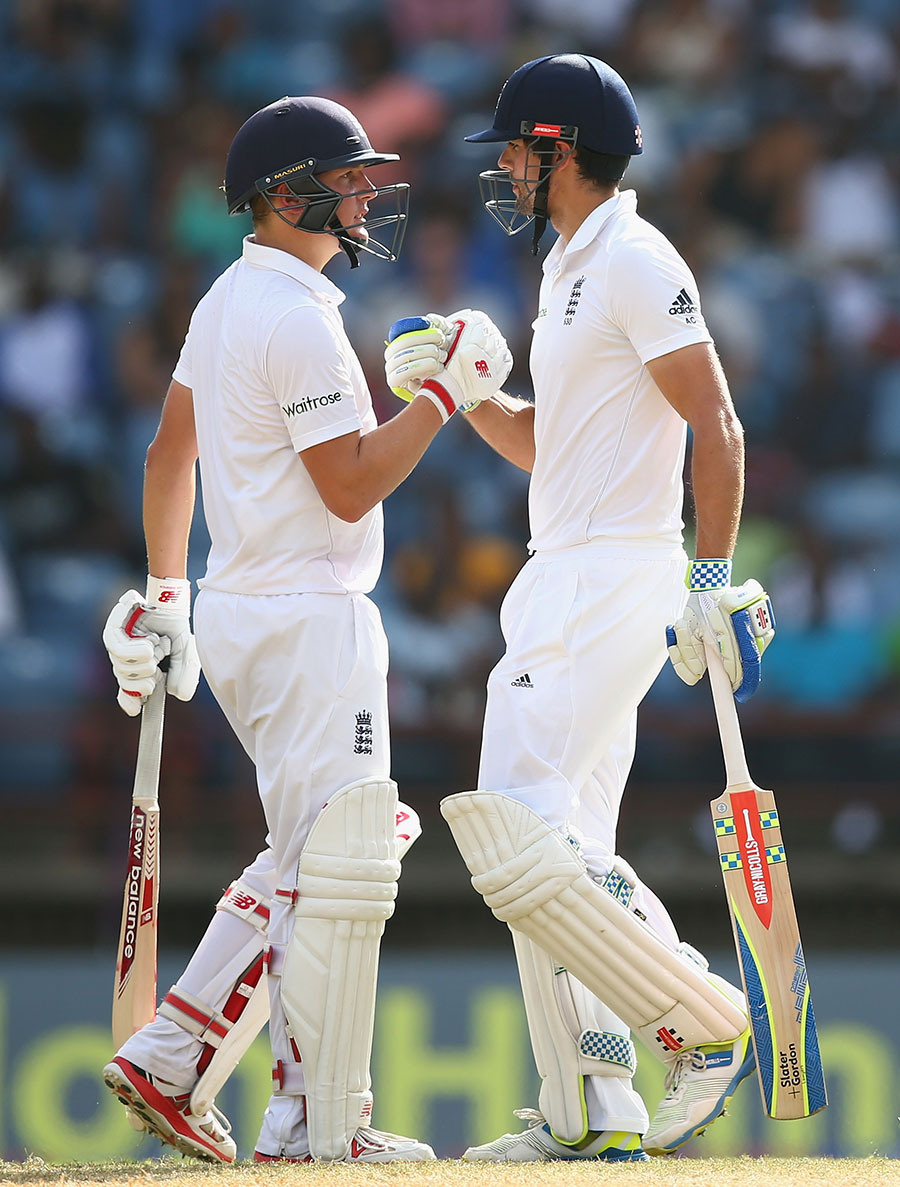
(272, 372)
(609, 447)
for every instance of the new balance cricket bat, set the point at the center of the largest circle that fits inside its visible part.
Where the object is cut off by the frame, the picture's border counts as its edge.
(761, 904)
(134, 994)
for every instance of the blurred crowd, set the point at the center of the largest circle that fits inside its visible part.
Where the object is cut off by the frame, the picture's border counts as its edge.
(770, 131)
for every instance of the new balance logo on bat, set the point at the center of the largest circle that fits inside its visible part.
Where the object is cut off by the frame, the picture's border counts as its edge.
(682, 305)
(522, 682)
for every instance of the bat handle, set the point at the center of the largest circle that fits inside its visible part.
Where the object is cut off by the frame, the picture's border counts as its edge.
(736, 769)
(146, 776)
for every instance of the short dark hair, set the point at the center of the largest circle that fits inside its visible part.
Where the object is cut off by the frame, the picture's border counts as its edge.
(259, 208)
(600, 167)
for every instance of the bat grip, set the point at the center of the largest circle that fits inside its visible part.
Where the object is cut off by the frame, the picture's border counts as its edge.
(146, 775)
(736, 769)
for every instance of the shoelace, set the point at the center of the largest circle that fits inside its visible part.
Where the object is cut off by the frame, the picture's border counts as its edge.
(685, 1060)
(372, 1137)
(534, 1117)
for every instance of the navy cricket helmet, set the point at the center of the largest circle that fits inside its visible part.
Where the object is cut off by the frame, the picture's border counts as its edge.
(569, 97)
(290, 142)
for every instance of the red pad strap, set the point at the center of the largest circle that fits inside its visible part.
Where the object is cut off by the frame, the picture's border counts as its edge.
(200, 1020)
(241, 901)
(288, 1079)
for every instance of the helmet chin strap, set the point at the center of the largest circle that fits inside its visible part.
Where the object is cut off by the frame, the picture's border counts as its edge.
(539, 207)
(351, 248)
(539, 201)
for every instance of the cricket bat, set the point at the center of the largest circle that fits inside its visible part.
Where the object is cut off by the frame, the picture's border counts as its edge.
(766, 935)
(134, 994)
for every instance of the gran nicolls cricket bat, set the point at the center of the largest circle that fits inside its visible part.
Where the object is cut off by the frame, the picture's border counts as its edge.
(766, 935)
(134, 994)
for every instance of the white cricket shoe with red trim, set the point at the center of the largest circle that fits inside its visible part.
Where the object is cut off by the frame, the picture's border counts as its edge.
(374, 1145)
(165, 1111)
(369, 1145)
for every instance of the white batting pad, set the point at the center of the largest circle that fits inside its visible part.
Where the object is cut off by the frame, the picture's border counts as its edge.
(245, 902)
(564, 1051)
(347, 883)
(233, 1047)
(536, 881)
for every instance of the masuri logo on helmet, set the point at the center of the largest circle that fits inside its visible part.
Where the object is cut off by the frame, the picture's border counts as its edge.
(291, 142)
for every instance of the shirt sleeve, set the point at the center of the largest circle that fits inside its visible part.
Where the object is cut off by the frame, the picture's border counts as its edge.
(308, 369)
(655, 300)
(182, 372)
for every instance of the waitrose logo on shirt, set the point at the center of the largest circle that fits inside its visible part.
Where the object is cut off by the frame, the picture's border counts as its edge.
(307, 405)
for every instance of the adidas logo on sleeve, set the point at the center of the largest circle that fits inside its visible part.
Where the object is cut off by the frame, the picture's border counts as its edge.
(521, 682)
(682, 305)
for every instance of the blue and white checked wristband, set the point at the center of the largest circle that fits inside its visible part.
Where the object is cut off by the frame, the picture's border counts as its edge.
(708, 574)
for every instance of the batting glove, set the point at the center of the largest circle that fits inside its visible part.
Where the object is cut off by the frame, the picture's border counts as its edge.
(140, 632)
(416, 349)
(478, 363)
(738, 619)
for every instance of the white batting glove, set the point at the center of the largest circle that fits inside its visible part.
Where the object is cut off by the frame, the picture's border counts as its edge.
(140, 632)
(478, 363)
(738, 620)
(416, 349)
(468, 364)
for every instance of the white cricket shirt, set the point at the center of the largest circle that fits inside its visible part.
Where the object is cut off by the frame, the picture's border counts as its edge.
(272, 373)
(609, 447)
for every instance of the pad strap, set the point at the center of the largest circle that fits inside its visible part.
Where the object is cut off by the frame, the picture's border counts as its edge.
(194, 1016)
(246, 903)
(273, 959)
(288, 1079)
(604, 1046)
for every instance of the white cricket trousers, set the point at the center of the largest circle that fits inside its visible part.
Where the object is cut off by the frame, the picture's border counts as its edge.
(585, 640)
(302, 680)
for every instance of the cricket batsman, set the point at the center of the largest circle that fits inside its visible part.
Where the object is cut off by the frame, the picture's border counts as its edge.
(622, 366)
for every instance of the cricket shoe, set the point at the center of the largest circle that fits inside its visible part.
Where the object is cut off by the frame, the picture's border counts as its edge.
(537, 1144)
(368, 1145)
(699, 1084)
(165, 1111)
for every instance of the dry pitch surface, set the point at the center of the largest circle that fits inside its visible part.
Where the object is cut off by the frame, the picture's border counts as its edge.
(717, 1172)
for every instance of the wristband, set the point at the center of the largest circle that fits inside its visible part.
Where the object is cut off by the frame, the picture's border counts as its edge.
(440, 397)
(709, 573)
(169, 593)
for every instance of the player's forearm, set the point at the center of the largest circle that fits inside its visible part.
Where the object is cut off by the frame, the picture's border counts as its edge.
(388, 455)
(507, 424)
(169, 493)
(717, 477)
